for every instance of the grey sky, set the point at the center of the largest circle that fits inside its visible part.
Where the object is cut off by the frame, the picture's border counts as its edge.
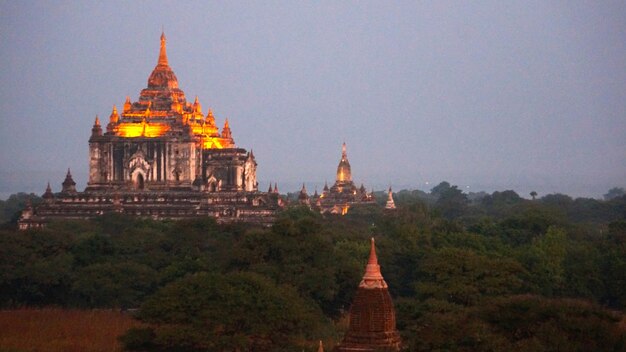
(487, 94)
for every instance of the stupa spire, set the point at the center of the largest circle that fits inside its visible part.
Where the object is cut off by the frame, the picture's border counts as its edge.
(373, 277)
(163, 52)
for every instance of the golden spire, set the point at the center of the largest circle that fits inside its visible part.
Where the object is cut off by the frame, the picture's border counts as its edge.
(163, 52)
(210, 119)
(373, 277)
(226, 131)
(197, 108)
(127, 104)
(114, 115)
(344, 173)
(97, 122)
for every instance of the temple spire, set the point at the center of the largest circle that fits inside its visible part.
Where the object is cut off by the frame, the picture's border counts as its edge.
(321, 347)
(163, 52)
(373, 277)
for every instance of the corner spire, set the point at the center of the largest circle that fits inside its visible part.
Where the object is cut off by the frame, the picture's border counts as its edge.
(163, 52)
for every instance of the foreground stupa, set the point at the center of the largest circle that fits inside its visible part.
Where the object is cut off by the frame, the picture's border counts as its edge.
(161, 157)
(372, 315)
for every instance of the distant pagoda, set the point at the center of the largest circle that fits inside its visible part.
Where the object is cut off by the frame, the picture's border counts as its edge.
(372, 315)
(342, 195)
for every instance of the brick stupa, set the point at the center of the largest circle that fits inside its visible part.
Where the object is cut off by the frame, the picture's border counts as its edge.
(372, 316)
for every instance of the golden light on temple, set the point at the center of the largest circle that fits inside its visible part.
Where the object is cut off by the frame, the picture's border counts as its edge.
(212, 143)
(148, 130)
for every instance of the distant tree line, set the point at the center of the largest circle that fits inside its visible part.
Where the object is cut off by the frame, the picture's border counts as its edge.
(487, 272)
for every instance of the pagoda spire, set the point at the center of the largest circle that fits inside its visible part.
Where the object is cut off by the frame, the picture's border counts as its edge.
(163, 52)
(373, 277)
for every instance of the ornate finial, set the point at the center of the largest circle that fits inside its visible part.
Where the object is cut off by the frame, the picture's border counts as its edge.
(372, 277)
(163, 52)
(97, 122)
(343, 150)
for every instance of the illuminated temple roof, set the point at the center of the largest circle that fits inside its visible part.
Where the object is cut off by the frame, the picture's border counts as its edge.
(163, 109)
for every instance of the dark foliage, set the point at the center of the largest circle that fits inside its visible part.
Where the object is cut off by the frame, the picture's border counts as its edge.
(494, 273)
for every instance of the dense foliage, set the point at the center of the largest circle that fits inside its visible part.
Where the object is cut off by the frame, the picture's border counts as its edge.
(477, 272)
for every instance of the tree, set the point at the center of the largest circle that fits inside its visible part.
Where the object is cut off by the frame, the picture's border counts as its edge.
(533, 194)
(614, 192)
(451, 201)
(227, 312)
(462, 277)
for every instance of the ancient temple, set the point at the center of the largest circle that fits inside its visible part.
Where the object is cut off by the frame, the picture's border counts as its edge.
(162, 157)
(372, 315)
(343, 194)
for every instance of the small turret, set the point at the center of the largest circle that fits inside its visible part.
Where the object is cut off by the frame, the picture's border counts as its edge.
(197, 107)
(48, 195)
(96, 130)
(275, 187)
(270, 190)
(69, 186)
(210, 119)
(114, 117)
(226, 131)
(127, 105)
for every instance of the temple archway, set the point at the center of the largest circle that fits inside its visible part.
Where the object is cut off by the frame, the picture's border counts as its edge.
(139, 179)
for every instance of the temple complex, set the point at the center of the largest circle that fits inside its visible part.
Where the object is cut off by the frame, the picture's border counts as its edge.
(162, 157)
(372, 315)
(342, 195)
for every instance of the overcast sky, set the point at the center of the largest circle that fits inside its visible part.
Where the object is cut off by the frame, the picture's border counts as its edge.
(487, 95)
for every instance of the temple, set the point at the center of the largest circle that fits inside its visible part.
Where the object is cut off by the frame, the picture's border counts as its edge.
(162, 157)
(372, 315)
(342, 195)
